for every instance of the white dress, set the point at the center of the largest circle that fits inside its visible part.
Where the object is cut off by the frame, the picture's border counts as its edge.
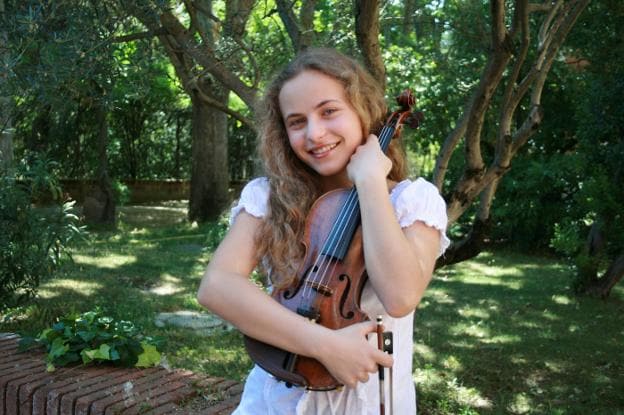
(413, 201)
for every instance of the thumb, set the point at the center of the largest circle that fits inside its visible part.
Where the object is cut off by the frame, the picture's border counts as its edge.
(368, 327)
(372, 138)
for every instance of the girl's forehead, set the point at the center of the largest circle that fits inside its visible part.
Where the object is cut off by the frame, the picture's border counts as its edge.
(309, 88)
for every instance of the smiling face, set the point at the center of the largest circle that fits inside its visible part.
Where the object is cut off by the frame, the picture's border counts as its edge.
(323, 128)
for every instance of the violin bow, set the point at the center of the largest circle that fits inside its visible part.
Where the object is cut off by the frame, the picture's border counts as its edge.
(384, 343)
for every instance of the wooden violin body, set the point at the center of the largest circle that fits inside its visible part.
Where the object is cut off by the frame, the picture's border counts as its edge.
(331, 299)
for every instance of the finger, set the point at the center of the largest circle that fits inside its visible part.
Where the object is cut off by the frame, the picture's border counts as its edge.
(372, 368)
(384, 359)
(368, 327)
(363, 377)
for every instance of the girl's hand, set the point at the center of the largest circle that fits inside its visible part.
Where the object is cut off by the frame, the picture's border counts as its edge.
(368, 161)
(348, 355)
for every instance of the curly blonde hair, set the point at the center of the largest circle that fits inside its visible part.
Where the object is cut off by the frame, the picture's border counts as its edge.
(294, 186)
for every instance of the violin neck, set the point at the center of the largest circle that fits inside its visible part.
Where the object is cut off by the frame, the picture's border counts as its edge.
(348, 219)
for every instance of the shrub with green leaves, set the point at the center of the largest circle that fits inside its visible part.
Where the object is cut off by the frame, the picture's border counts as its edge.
(33, 240)
(94, 337)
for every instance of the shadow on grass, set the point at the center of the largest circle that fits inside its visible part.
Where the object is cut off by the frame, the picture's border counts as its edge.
(133, 273)
(498, 334)
(507, 336)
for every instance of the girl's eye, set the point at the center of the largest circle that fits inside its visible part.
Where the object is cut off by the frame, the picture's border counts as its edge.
(295, 122)
(329, 111)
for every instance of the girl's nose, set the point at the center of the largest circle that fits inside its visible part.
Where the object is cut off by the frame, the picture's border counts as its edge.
(315, 130)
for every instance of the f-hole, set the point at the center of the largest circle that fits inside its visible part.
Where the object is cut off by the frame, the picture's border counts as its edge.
(343, 299)
(291, 291)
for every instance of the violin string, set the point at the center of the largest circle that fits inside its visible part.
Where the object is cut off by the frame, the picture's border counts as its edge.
(318, 263)
(349, 209)
(340, 228)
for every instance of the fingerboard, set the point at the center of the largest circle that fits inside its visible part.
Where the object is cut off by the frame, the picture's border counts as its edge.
(343, 229)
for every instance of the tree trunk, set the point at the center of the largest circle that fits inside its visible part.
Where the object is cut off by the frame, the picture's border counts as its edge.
(6, 130)
(209, 175)
(99, 207)
(39, 136)
(469, 247)
(367, 34)
(601, 287)
(177, 171)
(588, 264)
(6, 134)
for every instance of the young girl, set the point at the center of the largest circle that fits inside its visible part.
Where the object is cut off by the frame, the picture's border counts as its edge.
(316, 122)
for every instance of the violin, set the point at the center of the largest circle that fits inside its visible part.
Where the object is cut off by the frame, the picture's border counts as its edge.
(331, 278)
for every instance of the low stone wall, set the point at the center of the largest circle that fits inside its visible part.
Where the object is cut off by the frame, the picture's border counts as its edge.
(141, 191)
(27, 388)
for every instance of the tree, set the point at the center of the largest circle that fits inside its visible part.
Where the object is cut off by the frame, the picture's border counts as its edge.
(193, 52)
(591, 231)
(6, 128)
(42, 35)
(218, 52)
(511, 83)
(520, 82)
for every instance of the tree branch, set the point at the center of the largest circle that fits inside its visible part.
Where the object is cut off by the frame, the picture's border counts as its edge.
(236, 16)
(197, 26)
(187, 44)
(560, 30)
(287, 15)
(471, 122)
(471, 182)
(149, 34)
(367, 34)
(194, 85)
(299, 30)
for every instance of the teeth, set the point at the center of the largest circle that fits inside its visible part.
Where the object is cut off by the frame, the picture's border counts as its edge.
(324, 148)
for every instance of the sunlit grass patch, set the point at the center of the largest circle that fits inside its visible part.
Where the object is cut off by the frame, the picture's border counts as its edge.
(61, 287)
(109, 261)
(508, 328)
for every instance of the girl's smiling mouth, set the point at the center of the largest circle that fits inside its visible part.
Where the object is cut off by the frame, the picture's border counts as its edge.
(323, 151)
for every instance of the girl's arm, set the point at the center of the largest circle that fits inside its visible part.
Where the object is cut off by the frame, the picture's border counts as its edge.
(399, 262)
(227, 291)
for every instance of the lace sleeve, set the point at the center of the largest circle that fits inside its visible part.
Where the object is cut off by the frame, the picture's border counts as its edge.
(254, 199)
(421, 201)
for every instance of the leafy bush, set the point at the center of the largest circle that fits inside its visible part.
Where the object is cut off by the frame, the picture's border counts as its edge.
(33, 240)
(122, 192)
(93, 337)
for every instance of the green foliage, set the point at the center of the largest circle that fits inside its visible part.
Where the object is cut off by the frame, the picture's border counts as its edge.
(94, 337)
(566, 238)
(570, 175)
(63, 64)
(34, 240)
(122, 192)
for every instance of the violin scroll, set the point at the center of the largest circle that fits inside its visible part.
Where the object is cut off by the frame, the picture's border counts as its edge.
(405, 115)
(406, 100)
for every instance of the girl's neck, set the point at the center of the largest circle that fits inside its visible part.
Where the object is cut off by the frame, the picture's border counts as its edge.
(329, 183)
(337, 181)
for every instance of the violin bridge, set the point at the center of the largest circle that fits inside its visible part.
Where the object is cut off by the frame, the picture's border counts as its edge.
(320, 288)
(311, 314)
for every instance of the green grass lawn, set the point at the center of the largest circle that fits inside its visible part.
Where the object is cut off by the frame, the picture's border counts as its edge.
(495, 335)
